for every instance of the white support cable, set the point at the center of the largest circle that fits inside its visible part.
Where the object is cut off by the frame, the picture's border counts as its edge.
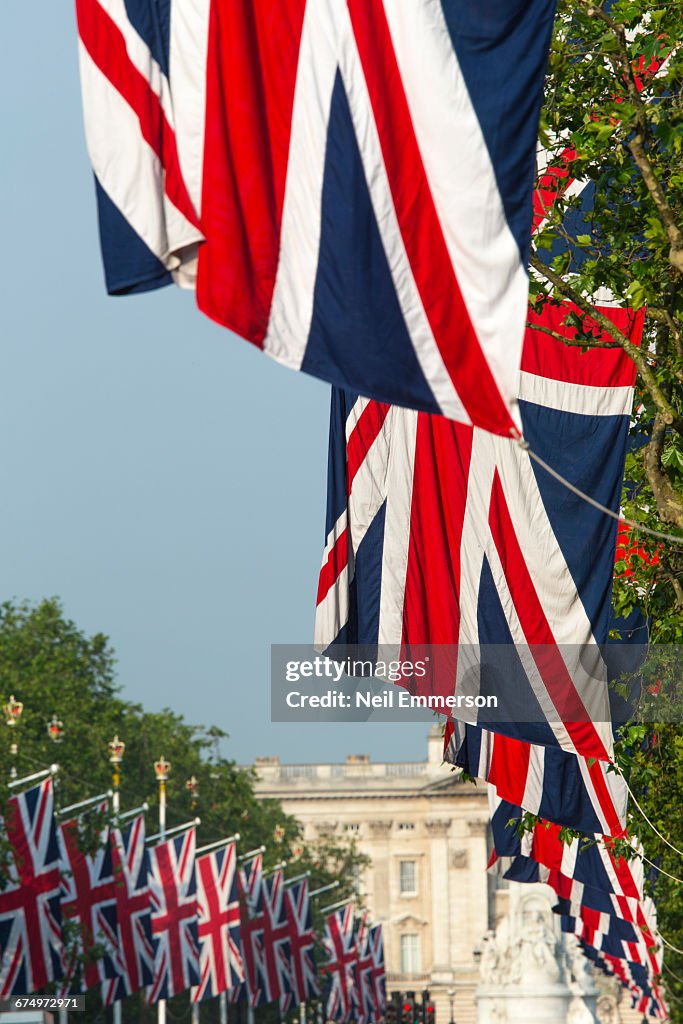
(661, 870)
(670, 945)
(652, 826)
(670, 538)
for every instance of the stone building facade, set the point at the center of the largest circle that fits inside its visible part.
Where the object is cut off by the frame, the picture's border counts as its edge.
(425, 831)
(448, 925)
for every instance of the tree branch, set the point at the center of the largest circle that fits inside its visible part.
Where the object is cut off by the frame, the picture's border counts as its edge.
(637, 143)
(635, 352)
(669, 501)
(576, 342)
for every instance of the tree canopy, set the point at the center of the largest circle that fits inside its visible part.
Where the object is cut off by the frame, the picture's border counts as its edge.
(54, 668)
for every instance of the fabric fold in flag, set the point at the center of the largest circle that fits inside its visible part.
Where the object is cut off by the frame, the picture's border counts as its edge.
(358, 175)
(445, 539)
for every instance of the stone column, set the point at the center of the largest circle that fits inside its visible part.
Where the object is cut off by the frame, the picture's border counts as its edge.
(437, 830)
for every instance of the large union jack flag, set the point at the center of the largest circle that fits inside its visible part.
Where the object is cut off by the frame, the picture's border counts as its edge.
(173, 893)
(360, 170)
(89, 901)
(443, 534)
(579, 792)
(301, 941)
(220, 958)
(31, 949)
(339, 940)
(130, 861)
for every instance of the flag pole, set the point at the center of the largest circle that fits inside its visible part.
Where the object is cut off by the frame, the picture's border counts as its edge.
(219, 843)
(161, 769)
(117, 749)
(223, 1008)
(325, 888)
(52, 770)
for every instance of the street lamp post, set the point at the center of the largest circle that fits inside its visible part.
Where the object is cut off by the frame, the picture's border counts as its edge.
(117, 749)
(161, 769)
(451, 998)
(12, 711)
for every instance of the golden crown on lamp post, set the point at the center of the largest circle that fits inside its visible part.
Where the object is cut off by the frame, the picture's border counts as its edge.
(161, 769)
(12, 711)
(192, 785)
(55, 729)
(117, 749)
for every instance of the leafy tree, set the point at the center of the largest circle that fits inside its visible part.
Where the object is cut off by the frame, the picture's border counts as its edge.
(614, 117)
(55, 669)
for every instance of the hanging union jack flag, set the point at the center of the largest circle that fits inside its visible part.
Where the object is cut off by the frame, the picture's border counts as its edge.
(130, 862)
(89, 900)
(272, 944)
(173, 893)
(339, 941)
(220, 958)
(579, 792)
(31, 948)
(443, 534)
(303, 972)
(360, 171)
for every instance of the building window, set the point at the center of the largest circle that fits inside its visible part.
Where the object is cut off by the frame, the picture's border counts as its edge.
(406, 826)
(407, 877)
(410, 954)
(352, 827)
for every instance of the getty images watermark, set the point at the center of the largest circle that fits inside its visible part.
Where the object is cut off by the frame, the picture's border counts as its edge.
(308, 687)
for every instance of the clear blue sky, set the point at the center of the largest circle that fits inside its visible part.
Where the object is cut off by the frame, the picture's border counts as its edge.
(161, 477)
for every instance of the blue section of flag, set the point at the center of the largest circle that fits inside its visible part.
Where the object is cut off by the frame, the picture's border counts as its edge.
(129, 265)
(357, 320)
(502, 49)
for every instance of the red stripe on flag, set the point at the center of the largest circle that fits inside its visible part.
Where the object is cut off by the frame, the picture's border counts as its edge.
(431, 609)
(553, 183)
(596, 770)
(251, 76)
(336, 561)
(362, 437)
(420, 226)
(509, 768)
(543, 647)
(548, 357)
(106, 45)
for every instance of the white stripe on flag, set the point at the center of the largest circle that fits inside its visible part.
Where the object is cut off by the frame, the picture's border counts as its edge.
(483, 251)
(407, 293)
(187, 72)
(292, 306)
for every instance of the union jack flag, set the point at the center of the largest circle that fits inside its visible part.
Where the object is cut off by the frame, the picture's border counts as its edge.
(173, 894)
(361, 173)
(365, 1008)
(130, 861)
(301, 940)
(378, 972)
(443, 534)
(274, 955)
(31, 949)
(339, 941)
(220, 958)
(89, 900)
(252, 922)
(579, 792)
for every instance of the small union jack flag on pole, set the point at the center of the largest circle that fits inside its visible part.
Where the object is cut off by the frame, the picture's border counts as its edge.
(252, 915)
(220, 957)
(378, 972)
(89, 900)
(173, 892)
(130, 861)
(31, 947)
(340, 943)
(303, 974)
(365, 1008)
